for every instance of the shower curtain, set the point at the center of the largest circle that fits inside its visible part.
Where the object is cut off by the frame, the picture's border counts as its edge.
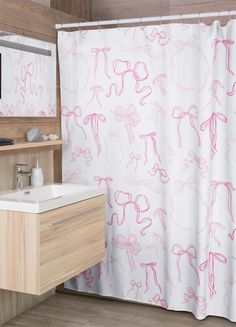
(149, 113)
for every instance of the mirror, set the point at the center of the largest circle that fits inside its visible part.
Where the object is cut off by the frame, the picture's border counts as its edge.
(27, 77)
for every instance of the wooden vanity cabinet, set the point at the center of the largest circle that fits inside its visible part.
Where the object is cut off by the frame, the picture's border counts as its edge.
(40, 251)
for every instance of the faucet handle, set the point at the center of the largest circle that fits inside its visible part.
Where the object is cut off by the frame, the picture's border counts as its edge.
(19, 166)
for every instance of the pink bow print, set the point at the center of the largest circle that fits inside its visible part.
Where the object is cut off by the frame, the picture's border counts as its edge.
(200, 162)
(192, 114)
(149, 136)
(191, 253)
(86, 153)
(152, 266)
(162, 173)
(226, 43)
(230, 189)
(72, 175)
(213, 226)
(133, 157)
(96, 89)
(74, 114)
(131, 246)
(135, 286)
(159, 301)
(232, 235)
(139, 73)
(141, 205)
(200, 301)
(211, 123)
(130, 117)
(209, 265)
(231, 93)
(181, 45)
(94, 119)
(104, 52)
(107, 181)
(213, 89)
(159, 35)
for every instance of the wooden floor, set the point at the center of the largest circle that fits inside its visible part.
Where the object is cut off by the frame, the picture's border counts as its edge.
(68, 310)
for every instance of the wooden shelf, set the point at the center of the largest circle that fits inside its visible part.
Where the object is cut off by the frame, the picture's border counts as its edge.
(28, 145)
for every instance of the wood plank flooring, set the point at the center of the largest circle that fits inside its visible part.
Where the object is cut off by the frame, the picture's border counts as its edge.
(68, 310)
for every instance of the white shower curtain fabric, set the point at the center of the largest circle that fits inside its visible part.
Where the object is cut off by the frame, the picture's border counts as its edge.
(150, 114)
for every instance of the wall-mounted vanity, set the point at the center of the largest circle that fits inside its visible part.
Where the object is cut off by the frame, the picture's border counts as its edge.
(49, 234)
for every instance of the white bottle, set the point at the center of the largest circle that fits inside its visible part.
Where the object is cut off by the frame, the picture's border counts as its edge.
(37, 175)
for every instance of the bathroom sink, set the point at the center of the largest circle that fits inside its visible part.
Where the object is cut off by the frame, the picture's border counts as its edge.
(47, 197)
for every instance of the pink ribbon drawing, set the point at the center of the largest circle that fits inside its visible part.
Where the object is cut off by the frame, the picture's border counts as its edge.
(161, 214)
(130, 245)
(74, 114)
(134, 158)
(226, 43)
(159, 301)
(213, 227)
(150, 266)
(94, 120)
(192, 115)
(96, 89)
(27, 72)
(232, 92)
(229, 187)
(163, 176)
(209, 265)
(232, 235)
(149, 136)
(191, 253)
(141, 205)
(159, 81)
(85, 153)
(104, 52)
(200, 301)
(158, 35)
(214, 96)
(157, 242)
(211, 124)
(131, 119)
(9, 110)
(107, 181)
(135, 286)
(139, 73)
(70, 175)
(200, 162)
(88, 277)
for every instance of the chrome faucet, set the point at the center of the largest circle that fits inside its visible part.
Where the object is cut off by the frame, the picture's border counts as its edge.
(20, 175)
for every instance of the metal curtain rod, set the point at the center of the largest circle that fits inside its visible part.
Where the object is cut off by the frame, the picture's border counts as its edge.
(26, 48)
(147, 19)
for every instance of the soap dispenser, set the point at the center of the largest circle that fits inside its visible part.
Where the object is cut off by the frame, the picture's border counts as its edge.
(37, 175)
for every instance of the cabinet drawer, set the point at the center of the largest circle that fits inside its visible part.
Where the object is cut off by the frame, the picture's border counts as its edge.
(71, 240)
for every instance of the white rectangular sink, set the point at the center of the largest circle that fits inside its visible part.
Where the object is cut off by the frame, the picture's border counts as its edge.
(47, 197)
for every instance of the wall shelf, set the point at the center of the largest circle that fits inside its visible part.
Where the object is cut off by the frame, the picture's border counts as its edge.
(30, 145)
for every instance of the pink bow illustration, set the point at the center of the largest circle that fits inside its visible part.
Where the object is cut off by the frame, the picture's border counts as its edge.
(107, 181)
(139, 73)
(131, 246)
(213, 89)
(226, 43)
(135, 287)
(130, 117)
(211, 123)
(94, 119)
(149, 136)
(191, 253)
(74, 114)
(104, 52)
(162, 173)
(152, 266)
(159, 301)
(96, 89)
(192, 114)
(181, 45)
(141, 205)
(159, 35)
(181, 185)
(9, 110)
(231, 93)
(133, 158)
(86, 153)
(200, 162)
(213, 226)
(72, 175)
(230, 189)
(209, 265)
(200, 301)
(232, 235)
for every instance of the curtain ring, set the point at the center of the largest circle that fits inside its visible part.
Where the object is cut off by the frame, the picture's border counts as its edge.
(118, 24)
(99, 26)
(181, 19)
(199, 18)
(140, 23)
(79, 27)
